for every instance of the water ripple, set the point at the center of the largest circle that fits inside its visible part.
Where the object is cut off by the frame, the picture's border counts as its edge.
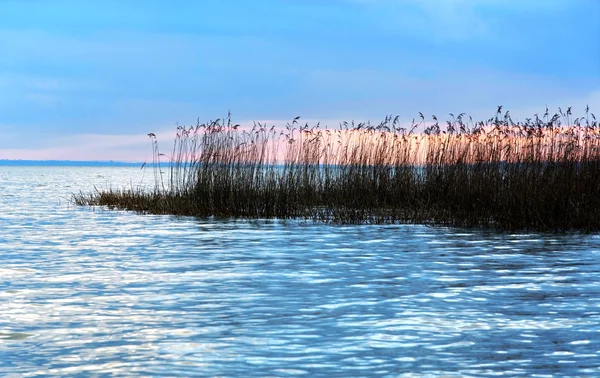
(94, 292)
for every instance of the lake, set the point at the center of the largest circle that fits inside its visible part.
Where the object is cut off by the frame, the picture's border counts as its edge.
(92, 292)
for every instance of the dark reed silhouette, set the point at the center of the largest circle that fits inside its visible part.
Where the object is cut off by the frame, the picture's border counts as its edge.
(541, 174)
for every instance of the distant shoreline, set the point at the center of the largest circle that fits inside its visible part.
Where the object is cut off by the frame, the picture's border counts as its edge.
(66, 163)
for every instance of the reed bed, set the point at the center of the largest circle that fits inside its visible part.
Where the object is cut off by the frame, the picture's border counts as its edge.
(540, 174)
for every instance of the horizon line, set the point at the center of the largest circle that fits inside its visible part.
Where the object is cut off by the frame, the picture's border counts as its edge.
(67, 162)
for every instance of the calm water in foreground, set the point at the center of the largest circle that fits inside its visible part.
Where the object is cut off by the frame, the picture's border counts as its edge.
(88, 292)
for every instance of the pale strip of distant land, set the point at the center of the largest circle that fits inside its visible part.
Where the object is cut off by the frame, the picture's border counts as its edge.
(67, 163)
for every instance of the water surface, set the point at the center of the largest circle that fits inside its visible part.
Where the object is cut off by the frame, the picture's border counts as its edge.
(87, 292)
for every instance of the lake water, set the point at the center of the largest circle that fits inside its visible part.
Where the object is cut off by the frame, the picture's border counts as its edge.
(86, 292)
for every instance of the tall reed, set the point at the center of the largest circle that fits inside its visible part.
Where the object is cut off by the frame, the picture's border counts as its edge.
(541, 174)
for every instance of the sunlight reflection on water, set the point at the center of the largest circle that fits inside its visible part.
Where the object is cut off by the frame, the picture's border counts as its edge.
(86, 292)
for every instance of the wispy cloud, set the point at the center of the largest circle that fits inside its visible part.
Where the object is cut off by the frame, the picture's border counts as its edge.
(81, 70)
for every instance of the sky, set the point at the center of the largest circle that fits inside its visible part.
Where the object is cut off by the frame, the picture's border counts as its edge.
(88, 80)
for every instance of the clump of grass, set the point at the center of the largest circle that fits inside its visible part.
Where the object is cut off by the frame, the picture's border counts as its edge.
(541, 174)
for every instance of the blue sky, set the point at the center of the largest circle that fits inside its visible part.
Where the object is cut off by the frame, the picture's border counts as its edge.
(87, 80)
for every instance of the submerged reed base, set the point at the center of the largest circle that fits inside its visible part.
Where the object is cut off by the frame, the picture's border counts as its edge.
(543, 174)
